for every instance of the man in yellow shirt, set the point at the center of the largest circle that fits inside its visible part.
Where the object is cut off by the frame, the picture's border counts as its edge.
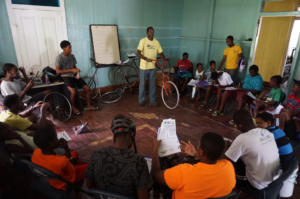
(147, 51)
(232, 55)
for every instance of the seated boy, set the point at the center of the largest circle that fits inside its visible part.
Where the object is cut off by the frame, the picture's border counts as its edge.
(13, 85)
(207, 75)
(130, 176)
(17, 119)
(210, 178)
(68, 166)
(195, 90)
(254, 153)
(66, 66)
(252, 83)
(291, 109)
(223, 80)
(184, 71)
(275, 98)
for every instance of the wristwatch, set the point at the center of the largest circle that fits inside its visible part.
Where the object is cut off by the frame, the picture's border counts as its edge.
(32, 108)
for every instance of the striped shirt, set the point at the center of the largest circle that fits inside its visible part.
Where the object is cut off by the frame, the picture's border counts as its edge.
(293, 103)
(285, 148)
(185, 65)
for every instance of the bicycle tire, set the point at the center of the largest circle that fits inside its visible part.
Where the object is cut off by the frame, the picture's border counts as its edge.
(56, 108)
(172, 99)
(122, 72)
(92, 85)
(111, 97)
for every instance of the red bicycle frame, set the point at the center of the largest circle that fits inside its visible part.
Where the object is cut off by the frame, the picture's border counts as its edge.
(164, 77)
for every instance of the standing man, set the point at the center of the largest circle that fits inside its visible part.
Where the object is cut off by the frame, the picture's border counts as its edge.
(232, 55)
(147, 51)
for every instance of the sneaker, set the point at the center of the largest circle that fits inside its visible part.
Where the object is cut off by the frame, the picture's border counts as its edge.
(142, 103)
(155, 104)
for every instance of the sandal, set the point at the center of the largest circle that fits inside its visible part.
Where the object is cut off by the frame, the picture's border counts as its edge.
(231, 122)
(217, 113)
(96, 109)
(78, 113)
(210, 111)
(203, 106)
(82, 126)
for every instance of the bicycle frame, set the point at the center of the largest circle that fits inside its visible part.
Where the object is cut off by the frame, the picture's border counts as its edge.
(164, 77)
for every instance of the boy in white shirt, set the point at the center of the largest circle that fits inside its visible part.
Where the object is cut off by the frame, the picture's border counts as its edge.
(253, 152)
(223, 80)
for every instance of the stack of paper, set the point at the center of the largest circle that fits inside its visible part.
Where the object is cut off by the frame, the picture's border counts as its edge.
(205, 83)
(63, 135)
(275, 112)
(169, 140)
(251, 95)
(124, 62)
(131, 55)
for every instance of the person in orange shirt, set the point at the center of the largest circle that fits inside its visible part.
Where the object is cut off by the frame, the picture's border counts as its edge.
(210, 178)
(69, 166)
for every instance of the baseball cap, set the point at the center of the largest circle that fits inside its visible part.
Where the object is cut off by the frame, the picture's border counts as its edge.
(297, 82)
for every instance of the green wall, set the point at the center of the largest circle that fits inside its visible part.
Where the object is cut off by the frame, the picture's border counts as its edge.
(207, 23)
(132, 18)
(7, 49)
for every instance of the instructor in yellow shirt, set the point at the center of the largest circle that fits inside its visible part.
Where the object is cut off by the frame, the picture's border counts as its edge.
(232, 55)
(147, 51)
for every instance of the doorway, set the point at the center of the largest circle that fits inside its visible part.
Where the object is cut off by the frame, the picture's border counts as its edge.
(37, 32)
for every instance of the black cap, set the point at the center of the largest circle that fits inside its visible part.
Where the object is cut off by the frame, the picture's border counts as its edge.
(297, 82)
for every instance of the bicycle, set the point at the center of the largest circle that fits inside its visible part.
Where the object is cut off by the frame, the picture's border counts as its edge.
(92, 82)
(169, 91)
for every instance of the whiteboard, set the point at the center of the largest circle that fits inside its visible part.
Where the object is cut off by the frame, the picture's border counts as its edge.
(105, 43)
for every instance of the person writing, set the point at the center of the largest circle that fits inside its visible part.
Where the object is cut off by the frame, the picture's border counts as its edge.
(147, 51)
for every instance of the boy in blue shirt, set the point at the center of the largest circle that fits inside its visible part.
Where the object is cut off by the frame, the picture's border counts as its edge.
(265, 120)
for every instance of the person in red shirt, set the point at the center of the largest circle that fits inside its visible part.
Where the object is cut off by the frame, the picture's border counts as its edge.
(183, 71)
(68, 167)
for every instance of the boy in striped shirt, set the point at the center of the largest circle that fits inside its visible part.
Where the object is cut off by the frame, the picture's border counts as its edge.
(184, 71)
(291, 109)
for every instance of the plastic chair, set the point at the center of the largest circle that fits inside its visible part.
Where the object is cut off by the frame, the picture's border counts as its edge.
(273, 189)
(39, 182)
(225, 197)
(104, 194)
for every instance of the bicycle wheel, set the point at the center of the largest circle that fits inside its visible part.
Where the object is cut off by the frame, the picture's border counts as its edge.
(60, 106)
(111, 97)
(93, 86)
(126, 75)
(170, 96)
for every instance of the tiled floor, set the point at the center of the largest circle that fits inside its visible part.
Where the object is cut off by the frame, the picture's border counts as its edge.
(191, 123)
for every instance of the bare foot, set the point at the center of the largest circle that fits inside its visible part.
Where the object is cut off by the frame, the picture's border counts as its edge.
(91, 108)
(75, 110)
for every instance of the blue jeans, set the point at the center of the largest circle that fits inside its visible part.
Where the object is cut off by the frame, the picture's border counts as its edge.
(150, 75)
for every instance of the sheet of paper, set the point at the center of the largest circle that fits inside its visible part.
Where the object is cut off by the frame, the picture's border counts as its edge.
(203, 84)
(193, 82)
(183, 70)
(63, 135)
(241, 65)
(275, 112)
(124, 62)
(167, 133)
(251, 95)
(227, 139)
(230, 88)
(131, 55)
(149, 162)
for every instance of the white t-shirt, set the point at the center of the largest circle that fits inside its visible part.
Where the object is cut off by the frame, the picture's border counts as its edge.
(225, 79)
(198, 75)
(14, 87)
(258, 150)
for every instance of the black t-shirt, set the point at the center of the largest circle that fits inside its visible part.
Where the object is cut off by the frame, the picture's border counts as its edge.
(119, 171)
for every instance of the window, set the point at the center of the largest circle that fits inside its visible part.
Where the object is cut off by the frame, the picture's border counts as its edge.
(54, 3)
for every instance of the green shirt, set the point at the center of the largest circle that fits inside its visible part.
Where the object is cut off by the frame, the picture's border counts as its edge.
(277, 95)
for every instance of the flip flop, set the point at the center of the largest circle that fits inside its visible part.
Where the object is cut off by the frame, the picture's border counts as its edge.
(82, 126)
(231, 122)
(210, 111)
(217, 113)
(96, 109)
(203, 106)
(78, 113)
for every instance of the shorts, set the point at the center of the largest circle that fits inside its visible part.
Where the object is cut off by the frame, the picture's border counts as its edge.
(290, 129)
(72, 82)
(180, 75)
(238, 94)
(231, 72)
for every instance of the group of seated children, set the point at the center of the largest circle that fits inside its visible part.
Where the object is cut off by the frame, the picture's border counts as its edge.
(252, 159)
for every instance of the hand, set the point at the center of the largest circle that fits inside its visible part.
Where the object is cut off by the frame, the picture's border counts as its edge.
(63, 143)
(243, 62)
(45, 106)
(22, 69)
(149, 60)
(167, 59)
(30, 84)
(188, 148)
(75, 70)
(39, 104)
(227, 144)
(213, 83)
(156, 144)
